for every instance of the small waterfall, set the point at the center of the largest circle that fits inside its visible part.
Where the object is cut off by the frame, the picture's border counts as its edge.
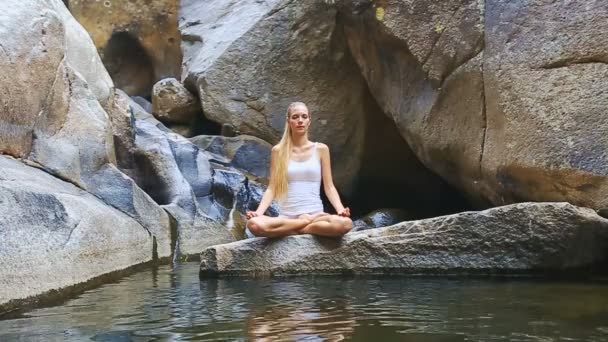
(230, 220)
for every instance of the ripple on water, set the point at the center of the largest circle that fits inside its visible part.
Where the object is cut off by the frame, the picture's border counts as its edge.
(172, 304)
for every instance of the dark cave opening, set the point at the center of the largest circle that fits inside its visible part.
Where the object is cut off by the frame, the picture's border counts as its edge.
(129, 65)
(393, 180)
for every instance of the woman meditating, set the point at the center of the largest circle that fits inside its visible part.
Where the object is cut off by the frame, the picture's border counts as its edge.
(297, 166)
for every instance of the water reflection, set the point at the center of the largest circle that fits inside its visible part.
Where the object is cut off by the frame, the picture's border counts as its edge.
(165, 304)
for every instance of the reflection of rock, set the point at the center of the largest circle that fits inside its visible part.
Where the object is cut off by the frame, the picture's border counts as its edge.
(173, 103)
(514, 238)
(138, 39)
(54, 235)
(381, 218)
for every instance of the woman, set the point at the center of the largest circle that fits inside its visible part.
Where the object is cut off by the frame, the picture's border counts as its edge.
(297, 166)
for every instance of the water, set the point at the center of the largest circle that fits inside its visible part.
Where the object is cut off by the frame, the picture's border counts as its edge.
(166, 304)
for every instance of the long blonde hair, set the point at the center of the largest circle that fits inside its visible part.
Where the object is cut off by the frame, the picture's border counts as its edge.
(279, 172)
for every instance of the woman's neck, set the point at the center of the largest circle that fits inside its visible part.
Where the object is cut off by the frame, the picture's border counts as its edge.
(299, 140)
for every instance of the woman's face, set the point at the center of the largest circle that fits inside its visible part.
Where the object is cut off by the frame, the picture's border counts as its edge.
(299, 120)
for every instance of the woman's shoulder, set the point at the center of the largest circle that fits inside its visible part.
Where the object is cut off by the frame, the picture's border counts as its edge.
(322, 147)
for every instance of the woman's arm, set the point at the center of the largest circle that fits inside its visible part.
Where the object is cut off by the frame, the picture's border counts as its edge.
(269, 193)
(328, 182)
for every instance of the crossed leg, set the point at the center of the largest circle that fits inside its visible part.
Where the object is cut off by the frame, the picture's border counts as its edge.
(268, 226)
(328, 225)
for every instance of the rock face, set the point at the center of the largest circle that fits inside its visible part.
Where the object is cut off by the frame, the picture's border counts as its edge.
(178, 176)
(516, 238)
(421, 62)
(54, 235)
(173, 103)
(245, 153)
(59, 121)
(545, 109)
(499, 98)
(138, 40)
(252, 58)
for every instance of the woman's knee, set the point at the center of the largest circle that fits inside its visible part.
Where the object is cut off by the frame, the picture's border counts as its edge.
(256, 227)
(343, 224)
(347, 224)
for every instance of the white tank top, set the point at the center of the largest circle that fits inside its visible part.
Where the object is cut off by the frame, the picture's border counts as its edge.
(303, 186)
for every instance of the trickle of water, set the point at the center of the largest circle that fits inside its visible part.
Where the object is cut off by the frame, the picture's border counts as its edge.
(230, 220)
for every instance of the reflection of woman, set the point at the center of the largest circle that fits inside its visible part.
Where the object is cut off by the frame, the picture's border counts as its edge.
(297, 166)
(292, 323)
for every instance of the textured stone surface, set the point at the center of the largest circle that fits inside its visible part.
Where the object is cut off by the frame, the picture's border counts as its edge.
(53, 113)
(173, 103)
(244, 152)
(138, 40)
(381, 218)
(420, 61)
(500, 98)
(54, 235)
(178, 176)
(254, 58)
(516, 238)
(544, 68)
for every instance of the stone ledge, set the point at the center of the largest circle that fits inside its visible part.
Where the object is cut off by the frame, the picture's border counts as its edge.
(517, 238)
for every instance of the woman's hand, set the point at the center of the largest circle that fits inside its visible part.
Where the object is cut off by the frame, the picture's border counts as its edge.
(251, 214)
(345, 212)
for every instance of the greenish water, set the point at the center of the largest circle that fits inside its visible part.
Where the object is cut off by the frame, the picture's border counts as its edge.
(167, 304)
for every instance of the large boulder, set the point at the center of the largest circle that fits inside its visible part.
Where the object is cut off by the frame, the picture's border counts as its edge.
(253, 58)
(138, 40)
(54, 235)
(244, 152)
(546, 100)
(499, 98)
(173, 103)
(53, 114)
(422, 64)
(178, 176)
(517, 238)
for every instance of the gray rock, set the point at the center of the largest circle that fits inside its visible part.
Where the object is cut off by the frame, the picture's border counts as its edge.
(516, 238)
(421, 61)
(59, 120)
(143, 103)
(500, 98)
(54, 235)
(173, 103)
(253, 58)
(245, 153)
(178, 176)
(545, 103)
(381, 218)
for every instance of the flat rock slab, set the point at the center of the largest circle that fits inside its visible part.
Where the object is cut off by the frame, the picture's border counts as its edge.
(523, 237)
